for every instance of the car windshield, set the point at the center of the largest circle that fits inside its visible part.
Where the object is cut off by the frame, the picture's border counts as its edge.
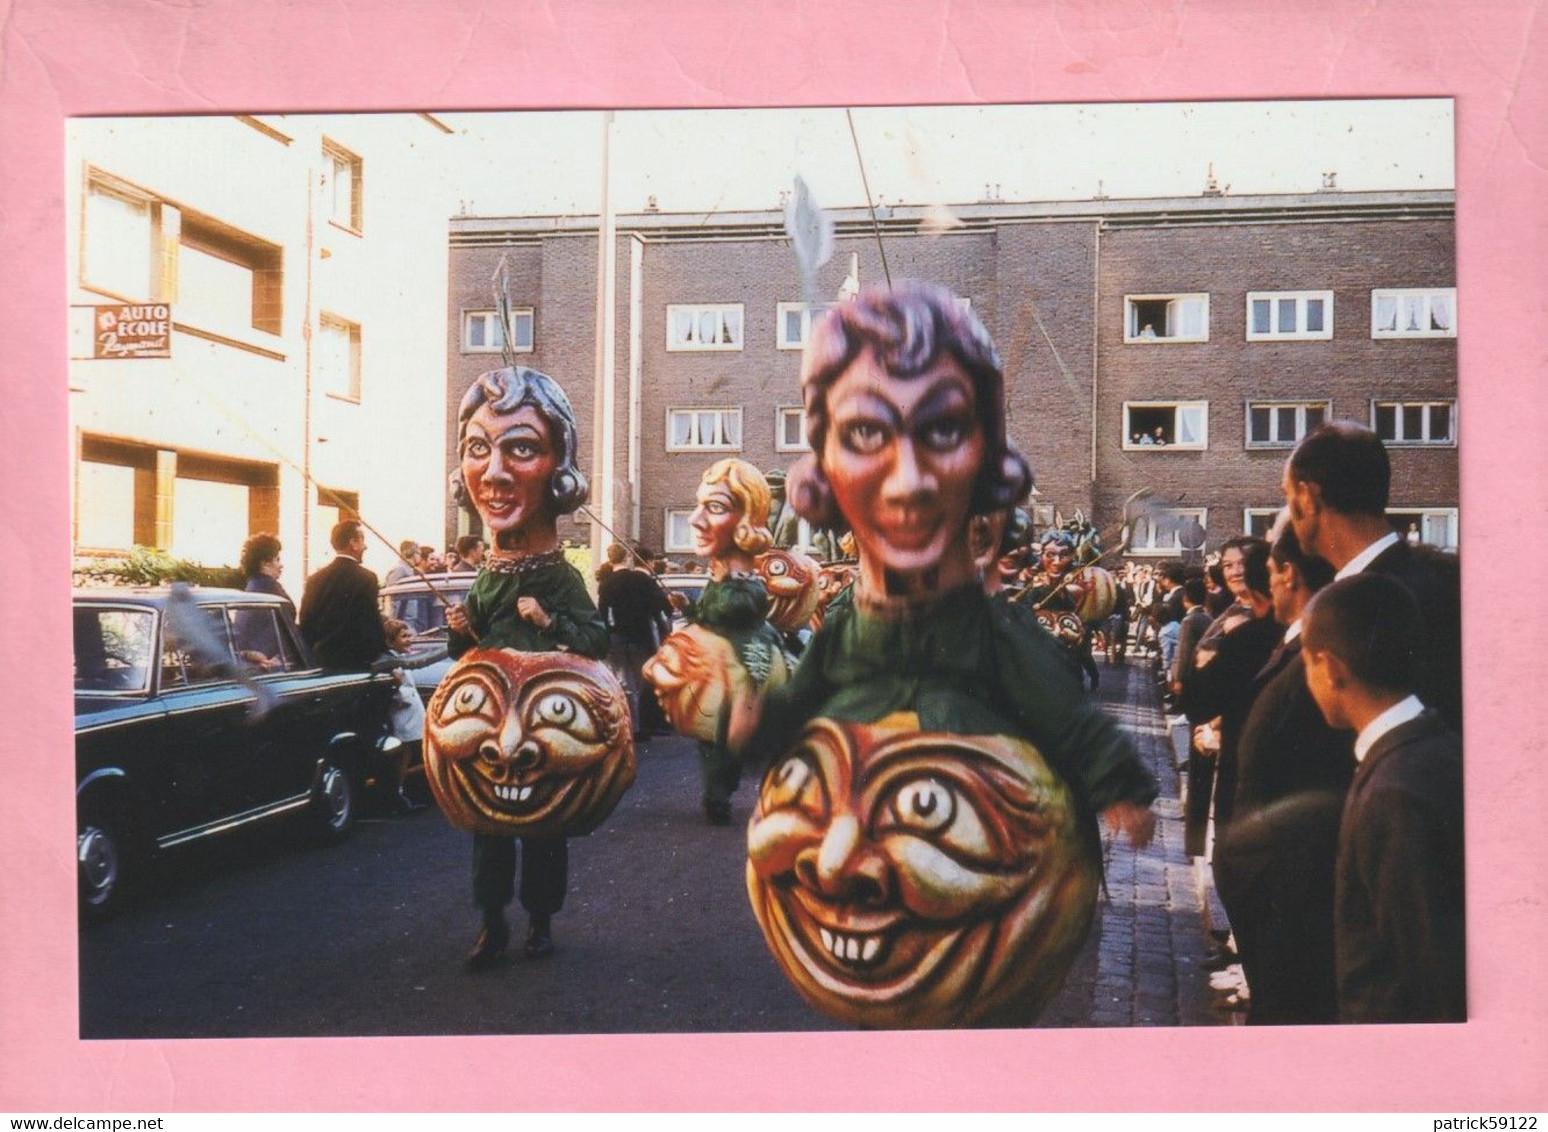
(113, 649)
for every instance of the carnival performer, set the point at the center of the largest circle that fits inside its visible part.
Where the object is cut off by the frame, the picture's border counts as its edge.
(730, 529)
(935, 770)
(517, 449)
(1058, 589)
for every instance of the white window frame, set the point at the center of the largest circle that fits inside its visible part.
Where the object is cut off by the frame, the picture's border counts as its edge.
(1130, 446)
(1300, 333)
(808, 312)
(682, 514)
(1399, 294)
(1421, 441)
(1175, 549)
(780, 444)
(493, 320)
(1450, 514)
(698, 310)
(699, 446)
(1300, 408)
(1131, 327)
(351, 391)
(354, 168)
(1250, 513)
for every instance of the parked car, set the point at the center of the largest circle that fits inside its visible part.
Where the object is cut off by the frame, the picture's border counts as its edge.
(415, 602)
(172, 747)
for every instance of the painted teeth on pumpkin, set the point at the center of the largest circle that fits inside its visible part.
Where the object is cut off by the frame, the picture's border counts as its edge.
(526, 792)
(827, 938)
(852, 950)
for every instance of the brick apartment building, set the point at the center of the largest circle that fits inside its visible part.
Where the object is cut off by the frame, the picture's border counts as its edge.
(1174, 348)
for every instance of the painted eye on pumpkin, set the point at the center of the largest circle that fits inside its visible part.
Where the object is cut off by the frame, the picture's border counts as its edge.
(794, 782)
(469, 698)
(939, 811)
(558, 709)
(778, 568)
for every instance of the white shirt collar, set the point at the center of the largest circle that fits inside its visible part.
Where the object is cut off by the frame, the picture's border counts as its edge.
(1360, 561)
(1395, 716)
(1294, 631)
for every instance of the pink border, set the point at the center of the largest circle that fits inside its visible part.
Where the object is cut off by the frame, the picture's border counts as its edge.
(63, 57)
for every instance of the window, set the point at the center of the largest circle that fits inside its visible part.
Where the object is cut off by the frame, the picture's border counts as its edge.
(483, 334)
(342, 182)
(790, 429)
(261, 642)
(137, 247)
(704, 327)
(1279, 424)
(1168, 530)
(118, 245)
(1414, 313)
(113, 649)
(679, 535)
(795, 323)
(1415, 422)
(690, 430)
(226, 279)
(1166, 318)
(1165, 424)
(1258, 521)
(338, 357)
(1277, 315)
(1434, 525)
(211, 662)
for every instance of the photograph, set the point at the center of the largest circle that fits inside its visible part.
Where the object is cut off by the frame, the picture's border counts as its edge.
(289, 333)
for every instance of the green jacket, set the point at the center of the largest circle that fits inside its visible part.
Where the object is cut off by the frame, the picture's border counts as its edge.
(577, 626)
(737, 608)
(969, 666)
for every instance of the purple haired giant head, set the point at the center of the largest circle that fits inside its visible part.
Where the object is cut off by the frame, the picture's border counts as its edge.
(907, 328)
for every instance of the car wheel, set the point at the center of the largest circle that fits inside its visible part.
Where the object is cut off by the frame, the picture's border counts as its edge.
(334, 801)
(104, 865)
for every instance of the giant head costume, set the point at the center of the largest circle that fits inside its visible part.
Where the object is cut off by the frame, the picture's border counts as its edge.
(905, 410)
(908, 879)
(535, 744)
(792, 579)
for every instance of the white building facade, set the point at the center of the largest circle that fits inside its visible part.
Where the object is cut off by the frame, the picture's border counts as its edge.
(302, 263)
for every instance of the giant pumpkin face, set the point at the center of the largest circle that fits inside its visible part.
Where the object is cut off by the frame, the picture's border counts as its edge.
(1098, 596)
(791, 579)
(696, 674)
(529, 743)
(832, 580)
(908, 879)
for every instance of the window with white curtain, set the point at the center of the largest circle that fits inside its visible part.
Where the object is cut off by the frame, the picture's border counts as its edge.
(118, 243)
(1414, 312)
(693, 430)
(704, 327)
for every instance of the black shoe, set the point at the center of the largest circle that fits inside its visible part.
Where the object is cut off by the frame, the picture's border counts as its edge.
(490, 946)
(539, 942)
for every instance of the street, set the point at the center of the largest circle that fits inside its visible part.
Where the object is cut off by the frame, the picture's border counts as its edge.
(258, 936)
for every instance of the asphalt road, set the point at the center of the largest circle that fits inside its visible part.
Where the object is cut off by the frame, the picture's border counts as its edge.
(259, 936)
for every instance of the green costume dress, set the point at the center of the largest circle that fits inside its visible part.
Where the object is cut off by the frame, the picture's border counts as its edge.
(576, 627)
(736, 607)
(968, 665)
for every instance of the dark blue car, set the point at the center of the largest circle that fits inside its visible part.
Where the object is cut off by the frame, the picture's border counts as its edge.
(178, 741)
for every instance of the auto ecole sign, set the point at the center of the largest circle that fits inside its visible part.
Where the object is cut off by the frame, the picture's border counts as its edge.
(125, 330)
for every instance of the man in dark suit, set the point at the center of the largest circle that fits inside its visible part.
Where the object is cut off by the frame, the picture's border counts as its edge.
(339, 617)
(1274, 866)
(1399, 913)
(1336, 484)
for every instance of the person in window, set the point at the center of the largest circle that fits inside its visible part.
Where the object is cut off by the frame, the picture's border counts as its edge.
(255, 638)
(1147, 331)
(1144, 438)
(1160, 435)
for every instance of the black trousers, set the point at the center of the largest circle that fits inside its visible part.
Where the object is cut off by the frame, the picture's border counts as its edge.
(545, 872)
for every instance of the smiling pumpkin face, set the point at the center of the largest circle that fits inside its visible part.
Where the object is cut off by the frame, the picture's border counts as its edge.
(908, 879)
(533, 744)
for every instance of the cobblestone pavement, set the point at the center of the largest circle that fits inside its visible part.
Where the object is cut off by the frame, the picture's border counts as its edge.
(1140, 966)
